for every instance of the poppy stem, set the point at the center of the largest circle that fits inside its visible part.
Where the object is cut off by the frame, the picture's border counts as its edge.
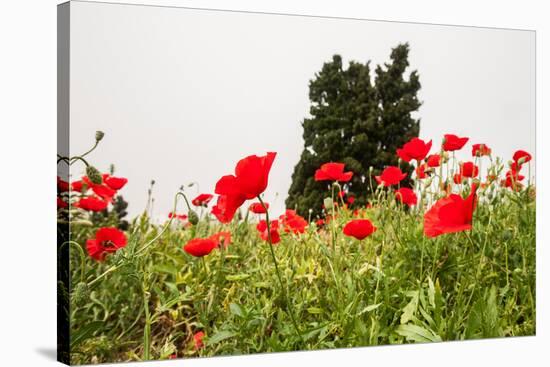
(274, 258)
(81, 254)
(77, 158)
(89, 151)
(333, 221)
(147, 327)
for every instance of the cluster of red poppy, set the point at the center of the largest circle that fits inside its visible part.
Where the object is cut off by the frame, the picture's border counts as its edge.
(449, 214)
(94, 196)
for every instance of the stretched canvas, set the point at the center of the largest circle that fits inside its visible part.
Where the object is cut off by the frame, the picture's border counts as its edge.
(234, 183)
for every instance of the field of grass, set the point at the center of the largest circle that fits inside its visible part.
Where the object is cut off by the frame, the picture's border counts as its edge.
(313, 290)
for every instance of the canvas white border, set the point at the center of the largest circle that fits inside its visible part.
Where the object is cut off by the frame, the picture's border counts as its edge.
(28, 120)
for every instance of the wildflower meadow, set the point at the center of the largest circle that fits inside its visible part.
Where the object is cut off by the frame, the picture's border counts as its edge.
(442, 250)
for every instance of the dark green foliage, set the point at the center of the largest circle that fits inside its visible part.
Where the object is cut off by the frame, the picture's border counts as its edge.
(114, 216)
(355, 122)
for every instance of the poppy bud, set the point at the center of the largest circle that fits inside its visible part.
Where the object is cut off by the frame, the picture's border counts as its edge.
(80, 292)
(521, 161)
(328, 203)
(193, 217)
(94, 175)
(99, 135)
(428, 182)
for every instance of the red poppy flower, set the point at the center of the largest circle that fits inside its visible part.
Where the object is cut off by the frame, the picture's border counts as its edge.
(181, 217)
(262, 225)
(350, 200)
(333, 172)
(202, 200)
(221, 238)
(422, 171)
(468, 169)
(359, 228)
(62, 185)
(513, 176)
(77, 186)
(320, 222)
(200, 247)
(92, 203)
(226, 206)
(249, 181)
(258, 208)
(390, 176)
(452, 142)
(510, 182)
(406, 196)
(115, 183)
(521, 157)
(293, 222)
(434, 160)
(197, 338)
(107, 240)
(479, 150)
(61, 204)
(101, 190)
(273, 229)
(450, 214)
(458, 179)
(275, 236)
(415, 149)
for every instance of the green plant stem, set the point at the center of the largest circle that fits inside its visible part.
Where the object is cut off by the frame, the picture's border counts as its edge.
(147, 327)
(81, 254)
(274, 258)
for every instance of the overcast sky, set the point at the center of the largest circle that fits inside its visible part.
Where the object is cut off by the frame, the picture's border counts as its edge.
(183, 94)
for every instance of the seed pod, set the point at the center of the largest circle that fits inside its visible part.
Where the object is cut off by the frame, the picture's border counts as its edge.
(99, 135)
(193, 217)
(94, 175)
(80, 292)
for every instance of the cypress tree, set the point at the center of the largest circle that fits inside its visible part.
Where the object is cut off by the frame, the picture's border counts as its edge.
(356, 122)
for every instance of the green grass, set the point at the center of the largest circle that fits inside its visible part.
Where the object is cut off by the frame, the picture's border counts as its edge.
(396, 286)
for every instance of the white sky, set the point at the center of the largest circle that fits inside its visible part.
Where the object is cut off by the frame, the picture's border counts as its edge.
(183, 94)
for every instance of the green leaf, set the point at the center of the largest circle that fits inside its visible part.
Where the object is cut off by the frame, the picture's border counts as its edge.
(369, 309)
(417, 334)
(237, 277)
(85, 332)
(236, 310)
(431, 292)
(315, 310)
(410, 309)
(220, 336)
